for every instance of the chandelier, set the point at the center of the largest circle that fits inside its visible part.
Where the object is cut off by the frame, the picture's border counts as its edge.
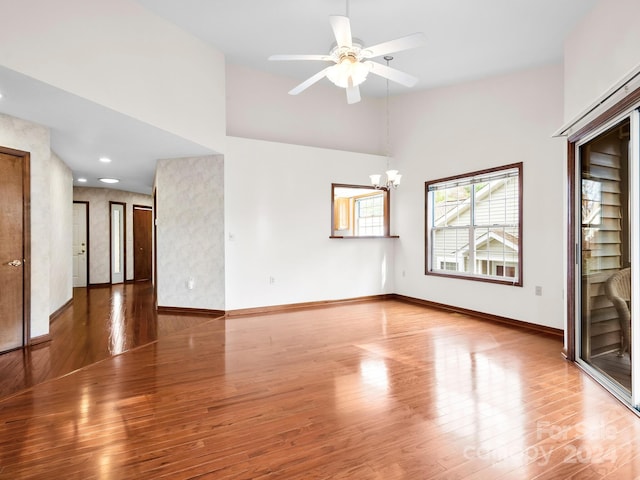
(393, 177)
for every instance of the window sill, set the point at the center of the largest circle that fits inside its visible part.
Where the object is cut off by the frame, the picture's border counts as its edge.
(514, 282)
(364, 236)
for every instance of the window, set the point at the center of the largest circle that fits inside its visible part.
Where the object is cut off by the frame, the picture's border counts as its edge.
(370, 215)
(359, 211)
(474, 225)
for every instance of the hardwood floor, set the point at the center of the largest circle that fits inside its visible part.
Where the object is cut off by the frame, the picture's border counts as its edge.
(101, 322)
(377, 390)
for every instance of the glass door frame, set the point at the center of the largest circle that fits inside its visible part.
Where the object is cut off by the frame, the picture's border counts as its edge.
(634, 214)
(574, 251)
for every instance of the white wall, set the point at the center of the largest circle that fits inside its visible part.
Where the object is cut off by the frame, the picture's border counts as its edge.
(259, 107)
(278, 223)
(468, 127)
(599, 52)
(99, 219)
(60, 234)
(119, 55)
(29, 137)
(190, 232)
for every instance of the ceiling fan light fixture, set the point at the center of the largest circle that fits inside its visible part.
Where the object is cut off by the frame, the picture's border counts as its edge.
(348, 72)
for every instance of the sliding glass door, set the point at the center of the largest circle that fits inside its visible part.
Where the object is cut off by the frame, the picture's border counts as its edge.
(606, 237)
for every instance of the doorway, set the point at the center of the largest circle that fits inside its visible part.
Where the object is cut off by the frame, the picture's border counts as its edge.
(142, 249)
(14, 249)
(605, 194)
(80, 244)
(117, 237)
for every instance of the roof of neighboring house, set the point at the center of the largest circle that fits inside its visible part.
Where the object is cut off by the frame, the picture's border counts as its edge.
(480, 194)
(510, 241)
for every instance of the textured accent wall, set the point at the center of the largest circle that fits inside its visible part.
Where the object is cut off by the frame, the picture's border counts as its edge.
(22, 135)
(190, 212)
(99, 213)
(60, 234)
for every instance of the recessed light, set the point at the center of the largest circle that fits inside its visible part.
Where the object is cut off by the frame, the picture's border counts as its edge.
(105, 160)
(82, 180)
(109, 180)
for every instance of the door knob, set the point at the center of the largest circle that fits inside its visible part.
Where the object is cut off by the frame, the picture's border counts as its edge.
(15, 263)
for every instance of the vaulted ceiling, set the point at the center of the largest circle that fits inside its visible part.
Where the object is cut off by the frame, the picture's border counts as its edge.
(466, 39)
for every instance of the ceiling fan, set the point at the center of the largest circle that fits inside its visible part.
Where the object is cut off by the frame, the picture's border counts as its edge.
(351, 60)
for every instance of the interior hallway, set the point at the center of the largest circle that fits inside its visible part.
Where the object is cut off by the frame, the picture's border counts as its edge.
(375, 390)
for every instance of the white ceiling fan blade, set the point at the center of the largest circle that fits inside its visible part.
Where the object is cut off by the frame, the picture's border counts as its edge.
(325, 58)
(341, 30)
(392, 74)
(309, 81)
(404, 43)
(353, 94)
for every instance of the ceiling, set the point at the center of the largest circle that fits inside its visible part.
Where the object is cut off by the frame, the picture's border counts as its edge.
(466, 39)
(86, 131)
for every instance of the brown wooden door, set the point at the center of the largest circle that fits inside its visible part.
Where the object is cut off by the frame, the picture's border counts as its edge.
(12, 252)
(141, 243)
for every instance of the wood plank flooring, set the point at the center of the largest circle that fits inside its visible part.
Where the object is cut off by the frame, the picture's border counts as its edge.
(376, 390)
(101, 322)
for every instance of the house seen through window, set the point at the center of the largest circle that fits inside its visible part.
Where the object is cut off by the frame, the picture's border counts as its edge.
(474, 225)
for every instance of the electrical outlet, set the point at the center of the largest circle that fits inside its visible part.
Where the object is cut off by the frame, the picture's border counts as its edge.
(538, 291)
(272, 281)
